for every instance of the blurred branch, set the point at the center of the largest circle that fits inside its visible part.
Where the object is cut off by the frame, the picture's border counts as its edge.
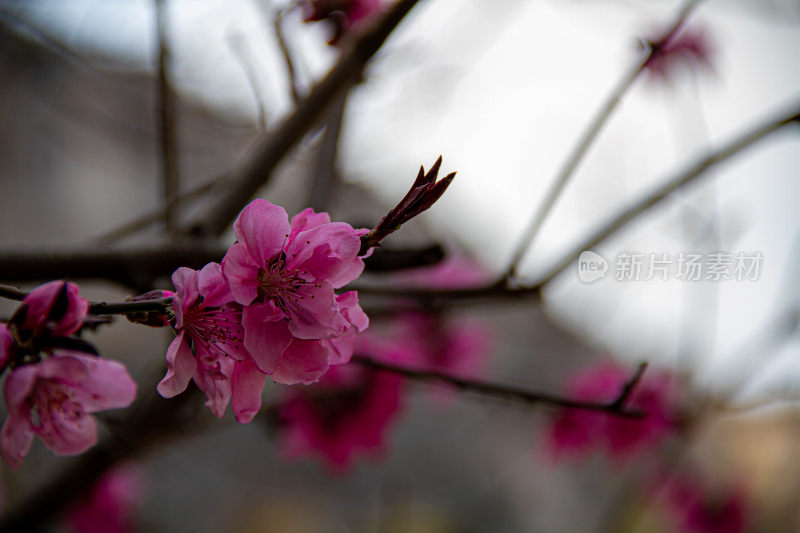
(239, 46)
(325, 168)
(291, 72)
(588, 137)
(258, 168)
(616, 407)
(159, 214)
(167, 133)
(390, 259)
(499, 289)
(682, 179)
(132, 267)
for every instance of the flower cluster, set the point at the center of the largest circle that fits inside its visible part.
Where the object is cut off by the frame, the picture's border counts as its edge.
(577, 431)
(346, 415)
(56, 380)
(270, 309)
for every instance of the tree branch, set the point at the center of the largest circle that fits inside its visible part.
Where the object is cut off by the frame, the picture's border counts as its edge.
(617, 407)
(256, 170)
(588, 137)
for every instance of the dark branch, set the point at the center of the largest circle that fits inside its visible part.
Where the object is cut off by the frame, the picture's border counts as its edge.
(501, 391)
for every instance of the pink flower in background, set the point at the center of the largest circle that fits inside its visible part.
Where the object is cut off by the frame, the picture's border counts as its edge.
(342, 15)
(430, 340)
(285, 275)
(54, 398)
(691, 48)
(575, 431)
(52, 310)
(347, 414)
(208, 320)
(693, 509)
(111, 506)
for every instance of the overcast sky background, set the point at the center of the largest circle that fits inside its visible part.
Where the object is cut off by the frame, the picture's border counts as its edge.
(502, 89)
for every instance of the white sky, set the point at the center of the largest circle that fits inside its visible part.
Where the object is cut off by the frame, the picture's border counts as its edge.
(502, 89)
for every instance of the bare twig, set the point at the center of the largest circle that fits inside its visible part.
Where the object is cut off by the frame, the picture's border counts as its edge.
(291, 72)
(100, 308)
(239, 46)
(588, 137)
(617, 407)
(325, 168)
(12, 293)
(165, 111)
(257, 169)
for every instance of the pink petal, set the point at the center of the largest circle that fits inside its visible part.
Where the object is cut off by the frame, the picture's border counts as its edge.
(107, 385)
(185, 281)
(18, 387)
(266, 334)
(246, 387)
(328, 252)
(307, 219)
(181, 367)
(6, 343)
(215, 381)
(302, 362)
(15, 441)
(67, 435)
(340, 349)
(316, 315)
(213, 286)
(241, 270)
(351, 311)
(263, 228)
(42, 299)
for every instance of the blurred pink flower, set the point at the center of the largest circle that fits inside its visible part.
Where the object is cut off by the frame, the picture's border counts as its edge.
(210, 321)
(575, 431)
(693, 509)
(691, 48)
(111, 506)
(52, 310)
(346, 414)
(342, 15)
(454, 272)
(53, 399)
(285, 275)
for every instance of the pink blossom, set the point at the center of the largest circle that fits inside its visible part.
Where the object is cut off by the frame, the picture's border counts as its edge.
(208, 320)
(285, 275)
(694, 509)
(455, 272)
(342, 15)
(52, 310)
(575, 431)
(691, 48)
(347, 414)
(111, 505)
(54, 398)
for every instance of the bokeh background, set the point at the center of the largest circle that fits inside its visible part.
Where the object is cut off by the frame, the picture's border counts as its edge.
(502, 89)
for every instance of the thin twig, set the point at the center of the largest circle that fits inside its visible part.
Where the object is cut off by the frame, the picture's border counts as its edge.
(12, 293)
(616, 407)
(637, 208)
(325, 171)
(165, 114)
(588, 137)
(291, 72)
(270, 151)
(160, 213)
(100, 308)
(239, 46)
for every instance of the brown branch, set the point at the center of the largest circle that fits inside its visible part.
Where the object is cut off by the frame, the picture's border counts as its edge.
(136, 268)
(325, 176)
(269, 152)
(589, 135)
(165, 114)
(291, 72)
(617, 407)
